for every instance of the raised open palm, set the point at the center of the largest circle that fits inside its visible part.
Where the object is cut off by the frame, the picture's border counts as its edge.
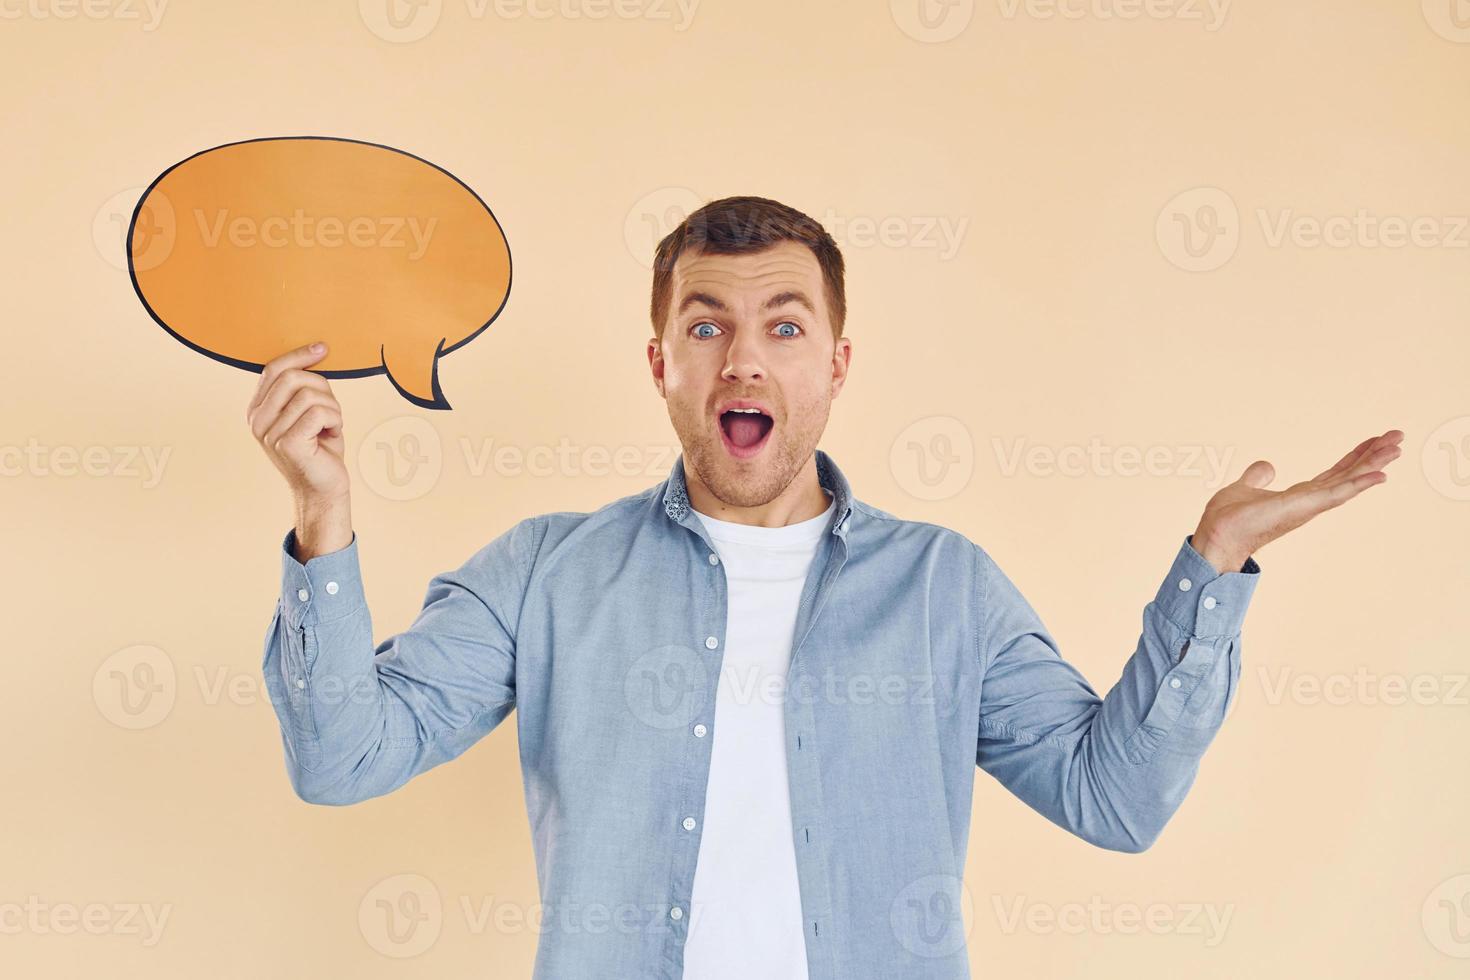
(1244, 516)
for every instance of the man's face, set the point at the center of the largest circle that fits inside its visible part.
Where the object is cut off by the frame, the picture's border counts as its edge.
(749, 331)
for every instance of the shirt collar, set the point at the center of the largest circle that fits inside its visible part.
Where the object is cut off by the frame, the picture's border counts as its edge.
(676, 492)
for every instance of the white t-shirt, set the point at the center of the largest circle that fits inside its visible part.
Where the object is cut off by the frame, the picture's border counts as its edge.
(746, 919)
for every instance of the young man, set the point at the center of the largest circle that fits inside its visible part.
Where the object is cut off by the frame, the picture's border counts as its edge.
(750, 706)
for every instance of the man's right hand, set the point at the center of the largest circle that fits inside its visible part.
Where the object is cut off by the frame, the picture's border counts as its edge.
(297, 421)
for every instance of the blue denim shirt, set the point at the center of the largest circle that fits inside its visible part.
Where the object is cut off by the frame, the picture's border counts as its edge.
(915, 660)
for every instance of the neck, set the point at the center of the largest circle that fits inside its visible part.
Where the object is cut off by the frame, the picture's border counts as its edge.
(802, 500)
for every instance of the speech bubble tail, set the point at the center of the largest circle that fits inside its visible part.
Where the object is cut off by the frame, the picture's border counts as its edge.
(415, 376)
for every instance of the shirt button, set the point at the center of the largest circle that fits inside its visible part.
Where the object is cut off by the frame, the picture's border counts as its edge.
(699, 731)
(688, 823)
(711, 642)
(1174, 682)
(714, 559)
(676, 913)
(1209, 602)
(302, 594)
(331, 588)
(1184, 584)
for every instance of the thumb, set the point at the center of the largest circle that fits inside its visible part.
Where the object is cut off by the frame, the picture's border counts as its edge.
(1258, 475)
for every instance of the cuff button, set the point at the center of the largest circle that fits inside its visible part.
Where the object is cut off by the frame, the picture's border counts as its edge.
(1185, 585)
(1209, 602)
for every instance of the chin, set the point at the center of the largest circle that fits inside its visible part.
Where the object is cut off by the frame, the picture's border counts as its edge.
(749, 482)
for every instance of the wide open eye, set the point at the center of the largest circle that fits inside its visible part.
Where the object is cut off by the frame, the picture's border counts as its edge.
(703, 323)
(793, 326)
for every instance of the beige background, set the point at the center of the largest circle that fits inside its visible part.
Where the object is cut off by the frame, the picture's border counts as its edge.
(1326, 835)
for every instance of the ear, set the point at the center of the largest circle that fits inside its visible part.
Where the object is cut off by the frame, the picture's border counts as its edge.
(841, 361)
(656, 364)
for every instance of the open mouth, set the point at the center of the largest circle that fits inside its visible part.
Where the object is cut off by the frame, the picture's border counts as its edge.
(745, 431)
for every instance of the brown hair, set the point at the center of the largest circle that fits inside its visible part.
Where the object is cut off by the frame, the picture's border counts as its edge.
(735, 226)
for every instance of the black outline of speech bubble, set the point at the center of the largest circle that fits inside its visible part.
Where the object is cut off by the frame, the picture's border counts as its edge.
(438, 401)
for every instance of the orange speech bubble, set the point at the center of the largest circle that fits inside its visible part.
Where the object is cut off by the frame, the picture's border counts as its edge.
(248, 250)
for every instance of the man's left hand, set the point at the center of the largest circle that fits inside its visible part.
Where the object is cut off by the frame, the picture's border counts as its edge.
(1243, 516)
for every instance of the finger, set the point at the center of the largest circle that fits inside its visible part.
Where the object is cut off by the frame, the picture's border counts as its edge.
(303, 401)
(1259, 474)
(1346, 460)
(1363, 449)
(282, 390)
(1312, 499)
(1374, 459)
(300, 357)
(312, 423)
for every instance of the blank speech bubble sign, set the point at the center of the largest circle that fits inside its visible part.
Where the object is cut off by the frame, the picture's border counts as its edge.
(245, 251)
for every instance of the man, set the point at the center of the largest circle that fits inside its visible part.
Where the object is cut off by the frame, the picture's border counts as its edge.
(691, 818)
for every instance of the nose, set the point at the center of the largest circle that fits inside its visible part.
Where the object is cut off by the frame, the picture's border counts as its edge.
(742, 358)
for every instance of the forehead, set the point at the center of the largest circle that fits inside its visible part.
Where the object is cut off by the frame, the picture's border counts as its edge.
(784, 265)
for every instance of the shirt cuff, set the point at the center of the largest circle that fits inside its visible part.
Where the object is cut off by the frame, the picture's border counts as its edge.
(1200, 600)
(328, 587)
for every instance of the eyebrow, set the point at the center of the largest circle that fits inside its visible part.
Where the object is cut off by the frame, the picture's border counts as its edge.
(780, 299)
